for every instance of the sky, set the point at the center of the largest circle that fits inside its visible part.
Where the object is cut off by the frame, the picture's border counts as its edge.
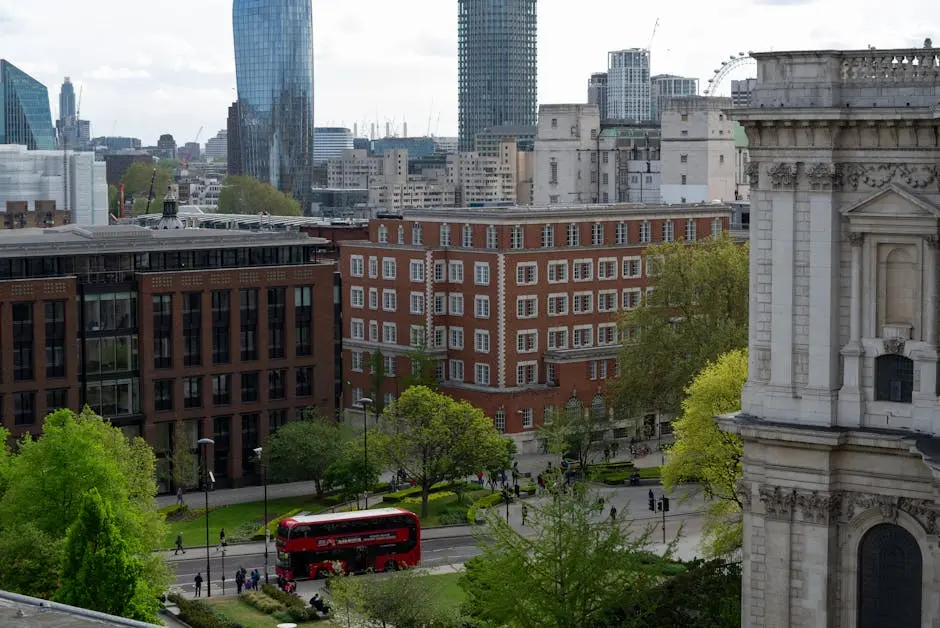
(167, 66)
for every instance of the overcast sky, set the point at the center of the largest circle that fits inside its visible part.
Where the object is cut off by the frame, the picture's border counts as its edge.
(167, 65)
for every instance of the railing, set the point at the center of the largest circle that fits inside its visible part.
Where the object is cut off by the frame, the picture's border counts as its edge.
(891, 66)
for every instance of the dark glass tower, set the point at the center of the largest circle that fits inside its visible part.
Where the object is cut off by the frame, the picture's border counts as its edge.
(25, 117)
(498, 80)
(67, 100)
(274, 74)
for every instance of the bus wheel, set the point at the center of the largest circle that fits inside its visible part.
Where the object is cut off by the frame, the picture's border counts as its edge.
(391, 566)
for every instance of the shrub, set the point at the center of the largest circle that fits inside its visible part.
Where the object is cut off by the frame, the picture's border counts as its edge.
(198, 614)
(488, 501)
(433, 497)
(262, 602)
(283, 598)
(273, 523)
(530, 488)
(453, 517)
(397, 496)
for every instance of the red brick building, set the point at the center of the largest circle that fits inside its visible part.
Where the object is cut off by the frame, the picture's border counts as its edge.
(517, 305)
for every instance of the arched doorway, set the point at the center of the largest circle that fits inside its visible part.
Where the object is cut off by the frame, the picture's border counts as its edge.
(890, 571)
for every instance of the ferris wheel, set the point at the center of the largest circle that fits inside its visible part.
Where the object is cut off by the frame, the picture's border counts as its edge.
(735, 61)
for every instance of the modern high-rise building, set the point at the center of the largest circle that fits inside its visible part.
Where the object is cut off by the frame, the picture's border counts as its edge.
(330, 142)
(67, 100)
(666, 86)
(274, 75)
(25, 117)
(628, 85)
(497, 67)
(597, 92)
(233, 137)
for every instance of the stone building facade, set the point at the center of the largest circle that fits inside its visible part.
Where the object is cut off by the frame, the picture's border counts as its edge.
(840, 411)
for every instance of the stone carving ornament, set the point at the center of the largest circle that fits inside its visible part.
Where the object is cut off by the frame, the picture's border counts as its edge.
(856, 239)
(821, 175)
(783, 174)
(894, 345)
(744, 494)
(876, 176)
(752, 172)
(817, 507)
(778, 502)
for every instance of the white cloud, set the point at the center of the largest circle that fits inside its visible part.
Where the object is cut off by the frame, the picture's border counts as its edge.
(107, 73)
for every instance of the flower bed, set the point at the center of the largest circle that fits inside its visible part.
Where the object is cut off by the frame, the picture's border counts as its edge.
(488, 501)
(433, 497)
(397, 496)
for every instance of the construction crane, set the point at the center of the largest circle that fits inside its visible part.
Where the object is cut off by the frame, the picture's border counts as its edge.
(153, 178)
(655, 26)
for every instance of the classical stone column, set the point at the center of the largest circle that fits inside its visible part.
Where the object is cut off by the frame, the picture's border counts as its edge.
(850, 397)
(925, 396)
(930, 316)
(855, 314)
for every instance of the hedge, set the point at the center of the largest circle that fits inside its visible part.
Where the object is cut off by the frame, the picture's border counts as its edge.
(198, 614)
(397, 496)
(285, 599)
(433, 497)
(487, 501)
(621, 477)
(264, 603)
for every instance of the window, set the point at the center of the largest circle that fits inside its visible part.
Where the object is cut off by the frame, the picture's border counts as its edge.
(456, 370)
(162, 331)
(548, 236)
(499, 420)
(582, 336)
(481, 341)
(721, 158)
(390, 364)
(303, 317)
(250, 385)
(554, 123)
(456, 337)
(389, 268)
(303, 381)
(356, 329)
(276, 418)
(690, 235)
(481, 374)
(716, 227)
(683, 159)
(516, 240)
(24, 408)
(527, 373)
(221, 334)
(355, 361)
(492, 237)
(527, 341)
(456, 304)
(55, 338)
(445, 234)
(383, 234)
(527, 307)
(582, 302)
(455, 271)
(606, 334)
(416, 270)
(466, 239)
(481, 273)
(389, 300)
(894, 378)
(668, 231)
(597, 230)
(163, 395)
(553, 199)
(277, 299)
(631, 298)
(440, 337)
(890, 578)
(607, 301)
(417, 234)
(401, 234)
(389, 333)
(356, 297)
(527, 274)
(574, 234)
(607, 268)
(553, 172)
(417, 303)
(558, 338)
(373, 267)
(557, 304)
(654, 265)
(632, 268)
(645, 236)
(57, 398)
(222, 389)
(592, 370)
(192, 392)
(439, 269)
(388, 398)
(248, 315)
(416, 336)
(481, 306)
(373, 298)
(583, 270)
(356, 266)
(557, 272)
(440, 303)
(621, 233)
(684, 132)
(277, 383)
(527, 418)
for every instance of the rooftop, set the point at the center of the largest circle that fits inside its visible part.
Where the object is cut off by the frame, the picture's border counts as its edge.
(344, 516)
(553, 213)
(202, 218)
(24, 611)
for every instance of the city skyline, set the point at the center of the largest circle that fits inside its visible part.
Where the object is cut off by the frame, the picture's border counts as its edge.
(376, 63)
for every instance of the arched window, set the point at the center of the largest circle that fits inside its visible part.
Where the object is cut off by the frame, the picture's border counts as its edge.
(383, 234)
(894, 378)
(598, 407)
(889, 578)
(574, 408)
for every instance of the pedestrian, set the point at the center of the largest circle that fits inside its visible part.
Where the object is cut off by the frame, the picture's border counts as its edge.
(525, 513)
(607, 454)
(179, 496)
(480, 478)
(198, 581)
(651, 496)
(614, 446)
(239, 581)
(255, 578)
(221, 540)
(613, 513)
(179, 544)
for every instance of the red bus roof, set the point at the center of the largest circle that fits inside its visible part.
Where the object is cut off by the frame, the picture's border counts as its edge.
(376, 513)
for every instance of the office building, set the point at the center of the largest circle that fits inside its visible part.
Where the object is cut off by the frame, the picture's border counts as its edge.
(666, 86)
(233, 140)
(274, 75)
(67, 99)
(117, 163)
(488, 142)
(228, 332)
(628, 85)
(166, 147)
(741, 92)
(48, 187)
(517, 306)
(71, 133)
(497, 66)
(114, 143)
(190, 151)
(217, 147)
(417, 147)
(597, 92)
(698, 150)
(445, 144)
(330, 142)
(24, 104)
(355, 169)
(482, 180)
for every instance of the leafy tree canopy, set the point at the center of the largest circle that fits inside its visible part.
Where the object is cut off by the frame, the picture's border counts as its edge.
(569, 431)
(136, 182)
(703, 453)
(243, 194)
(402, 599)
(351, 473)
(698, 310)
(304, 451)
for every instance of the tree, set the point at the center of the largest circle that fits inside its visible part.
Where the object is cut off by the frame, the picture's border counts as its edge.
(29, 560)
(376, 380)
(423, 369)
(697, 310)
(402, 599)
(136, 182)
(303, 451)
(185, 472)
(433, 438)
(350, 472)
(570, 431)
(703, 453)
(243, 194)
(114, 200)
(99, 571)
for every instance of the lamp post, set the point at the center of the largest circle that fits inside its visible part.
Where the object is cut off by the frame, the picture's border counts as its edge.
(267, 530)
(365, 401)
(203, 442)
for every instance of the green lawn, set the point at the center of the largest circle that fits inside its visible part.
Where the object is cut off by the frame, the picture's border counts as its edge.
(250, 617)
(448, 591)
(445, 511)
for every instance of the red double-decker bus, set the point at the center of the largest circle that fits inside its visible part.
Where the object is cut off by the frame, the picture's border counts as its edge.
(383, 539)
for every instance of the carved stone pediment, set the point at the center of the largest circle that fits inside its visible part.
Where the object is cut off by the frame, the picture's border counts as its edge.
(923, 510)
(891, 203)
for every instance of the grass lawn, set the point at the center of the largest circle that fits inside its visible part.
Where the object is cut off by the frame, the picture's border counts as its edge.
(250, 617)
(238, 520)
(445, 511)
(448, 591)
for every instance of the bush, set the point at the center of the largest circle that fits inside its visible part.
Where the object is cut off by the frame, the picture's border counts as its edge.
(433, 497)
(262, 602)
(397, 496)
(180, 513)
(286, 599)
(198, 614)
(529, 489)
(488, 501)
(454, 517)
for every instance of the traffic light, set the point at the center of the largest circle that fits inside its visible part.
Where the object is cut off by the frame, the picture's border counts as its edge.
(652, 504)
(665, 504)
(659, 505)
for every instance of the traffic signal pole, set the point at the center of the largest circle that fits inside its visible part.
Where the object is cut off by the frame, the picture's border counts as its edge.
(662, 505)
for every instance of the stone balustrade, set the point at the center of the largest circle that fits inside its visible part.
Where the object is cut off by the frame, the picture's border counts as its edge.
(890, 66)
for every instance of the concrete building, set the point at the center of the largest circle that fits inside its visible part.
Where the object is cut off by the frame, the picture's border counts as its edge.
(741, 92)
(217, 147)
(34, 183)
(518, 306)
(166, 146)
(628, 85)
(24, 105)
(190, 151)
(488, 142)
(417, 147)
(71, 132)
(233, 140)
(484, 180)
(445, 144)
(354, 170)
(666, 86)
(698, 150)
(113, 143)
(839, 415)
(597, 92)
(329, 142)
(742, 161)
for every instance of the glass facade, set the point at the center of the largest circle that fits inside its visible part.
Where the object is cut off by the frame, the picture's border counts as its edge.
(497, 65)
(25, 117)
(274, 75)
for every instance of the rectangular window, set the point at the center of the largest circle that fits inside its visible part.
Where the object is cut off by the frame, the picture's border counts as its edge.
(355, 361)
(390, 364)
(439, 271)
(607, 268)
(163, 395)
(455, 271)
(389, 300)
(440, 337)
(456, 337)
(373, 298)
(607, 301)
(389, 333)
(492, 237)
(582, 336)
(357, 329)
(248, 317)
(357, 297)
(548, 236)
(456, 370)
(303, 381)
(716, 227)
(606, 334)
(440, 303)
(645, 236)
(527, 274)
(277, 298)
(276, 418)
(481, 374)
(690, 234)
(558, 338)
(445, 234)
(583, 302)
(417, 303)
(631, 298)
(574, 234)
(456, 304)
(668, 231)
(221, 331)
(527, 341)
(192, 392)
(481, 341)
(383, 234)
(250, 388)
(192, 328)
(389, 268)
(416, 270)
(55, 338)
(416, 336)
(558, 272)
(481, 306)
(516, 237)
(303, 320)
(527, 307)
(632, 268)
(597, 230)
(621, 233)
(222, 389)
(373, 331)
(466, 238)
(527, 373)
(557, 304)
(373, 267)
(417, 234)
(57, 398)
(583, 270)
(499, 420)
(481, 273)
(654, 265)
(527, 418)
(24, 408)
(162, 331)
(356, 266)
(683, 159)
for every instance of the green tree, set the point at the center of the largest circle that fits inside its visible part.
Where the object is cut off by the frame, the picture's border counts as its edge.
(114, 200)
(99, 570)
(403, 599)
(433, 438)
(136, 182)
(697, 310)
(350, 472)
(29, 560)
(569, 431)
(377, 378)
(243, 194)
(423, 369)
(185, 471)
(703, 453)
(303, 451)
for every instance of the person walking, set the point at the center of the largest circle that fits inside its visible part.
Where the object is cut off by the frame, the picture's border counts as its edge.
(239, 581)
(179, 496)
(198, 581)
(613, 513)
(525, 513)
(255, 579)
(179, 544)
(221, 540)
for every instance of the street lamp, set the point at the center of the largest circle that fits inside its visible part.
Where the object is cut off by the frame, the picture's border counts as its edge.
(267, 531)
(203, 442)
(365, 401)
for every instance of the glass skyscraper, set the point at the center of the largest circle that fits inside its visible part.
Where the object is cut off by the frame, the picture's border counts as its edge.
(25, 117)
(497, 56)
(274, 75)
